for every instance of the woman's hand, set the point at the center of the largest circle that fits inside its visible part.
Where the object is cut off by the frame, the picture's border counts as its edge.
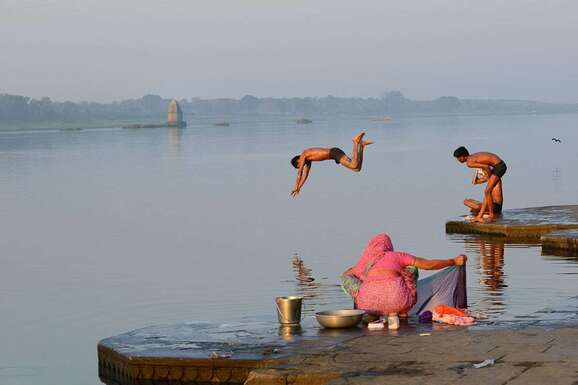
(460, 260)
(350, 271)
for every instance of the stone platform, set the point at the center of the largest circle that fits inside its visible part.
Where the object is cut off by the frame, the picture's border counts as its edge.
(182, 354)
(564, 241)
(531, 356)
(203, 353)
(521, 224)
(260, 352)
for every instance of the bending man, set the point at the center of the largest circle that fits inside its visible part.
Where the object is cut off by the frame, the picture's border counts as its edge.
(494, 167)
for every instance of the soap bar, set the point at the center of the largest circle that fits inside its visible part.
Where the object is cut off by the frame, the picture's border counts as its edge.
(376, 325)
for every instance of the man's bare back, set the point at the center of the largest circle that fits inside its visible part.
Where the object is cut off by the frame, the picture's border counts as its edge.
(480, 159)
(303, 161)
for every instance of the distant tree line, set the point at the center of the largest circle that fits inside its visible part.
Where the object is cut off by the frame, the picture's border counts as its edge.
(153, 107)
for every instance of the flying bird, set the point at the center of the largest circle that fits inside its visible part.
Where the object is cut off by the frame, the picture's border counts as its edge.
(556, 140)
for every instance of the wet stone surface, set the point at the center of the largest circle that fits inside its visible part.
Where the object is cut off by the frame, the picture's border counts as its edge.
(525, 223)
(199, 353)
(562, 241)
(262, 352)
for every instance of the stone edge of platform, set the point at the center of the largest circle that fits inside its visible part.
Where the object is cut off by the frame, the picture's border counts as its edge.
(566, 240)
(529, 231)
(114, 367)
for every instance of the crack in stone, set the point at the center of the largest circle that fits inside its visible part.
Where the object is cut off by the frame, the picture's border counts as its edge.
(519, 374)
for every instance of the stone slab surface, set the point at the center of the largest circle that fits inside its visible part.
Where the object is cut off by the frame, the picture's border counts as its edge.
(261, 352)
(528, 356)
(563, 240)
(525, 223)
(182, 353)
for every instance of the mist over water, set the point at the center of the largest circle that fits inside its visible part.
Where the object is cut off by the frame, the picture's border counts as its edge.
(102, 50)
(104, 231)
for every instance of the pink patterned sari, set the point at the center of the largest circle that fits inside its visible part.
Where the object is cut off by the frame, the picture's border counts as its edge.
(382, 295)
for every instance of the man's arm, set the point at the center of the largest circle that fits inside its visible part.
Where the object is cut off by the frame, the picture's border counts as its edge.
(481, 180)
(485, 167)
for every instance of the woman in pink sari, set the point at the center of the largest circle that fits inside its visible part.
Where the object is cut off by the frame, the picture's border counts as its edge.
(384, 284)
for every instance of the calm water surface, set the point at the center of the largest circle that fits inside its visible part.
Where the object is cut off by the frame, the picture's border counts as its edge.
(105, 231)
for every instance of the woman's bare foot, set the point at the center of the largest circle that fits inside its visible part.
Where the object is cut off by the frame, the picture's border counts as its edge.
(393, 321)
(366, 142)
(358, 138)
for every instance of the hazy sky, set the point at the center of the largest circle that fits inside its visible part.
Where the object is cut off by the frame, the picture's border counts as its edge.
(112, 49)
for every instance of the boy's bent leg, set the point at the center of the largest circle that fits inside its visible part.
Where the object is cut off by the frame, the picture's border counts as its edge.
(358, 153)
(356, 161)
(473, 205)
(352, 164)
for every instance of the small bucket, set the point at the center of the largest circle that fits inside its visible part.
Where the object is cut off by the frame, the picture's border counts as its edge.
(289, 310)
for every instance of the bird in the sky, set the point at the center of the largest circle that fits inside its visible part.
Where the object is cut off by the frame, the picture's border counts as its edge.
(556, 140)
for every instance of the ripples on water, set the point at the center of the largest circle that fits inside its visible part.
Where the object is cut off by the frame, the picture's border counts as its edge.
(317, 293)
(490, 276)
(104, 231)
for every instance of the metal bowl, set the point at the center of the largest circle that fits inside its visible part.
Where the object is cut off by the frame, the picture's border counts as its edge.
(336, 319)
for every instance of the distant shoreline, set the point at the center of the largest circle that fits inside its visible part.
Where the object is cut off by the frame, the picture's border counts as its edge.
(26, 112)
(216, 119)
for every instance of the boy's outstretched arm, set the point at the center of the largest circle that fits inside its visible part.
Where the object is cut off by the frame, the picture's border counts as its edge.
(302, 175)
(298, 183)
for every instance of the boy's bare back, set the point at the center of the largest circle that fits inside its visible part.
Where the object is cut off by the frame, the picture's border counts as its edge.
(316, 154)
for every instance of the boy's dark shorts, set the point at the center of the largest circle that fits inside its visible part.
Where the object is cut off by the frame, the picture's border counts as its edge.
(499, 169)
(336, 154)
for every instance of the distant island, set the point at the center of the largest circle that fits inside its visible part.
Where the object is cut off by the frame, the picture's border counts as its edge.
(148, 109)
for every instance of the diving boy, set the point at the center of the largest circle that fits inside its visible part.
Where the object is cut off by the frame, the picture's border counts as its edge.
(303, 161)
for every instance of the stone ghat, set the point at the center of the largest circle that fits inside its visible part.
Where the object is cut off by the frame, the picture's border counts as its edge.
(521, 224)
(182, 354)
(259, 353)
(203, 353)
(563, 241)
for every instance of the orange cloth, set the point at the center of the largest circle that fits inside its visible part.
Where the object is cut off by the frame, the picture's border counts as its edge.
(445, 309)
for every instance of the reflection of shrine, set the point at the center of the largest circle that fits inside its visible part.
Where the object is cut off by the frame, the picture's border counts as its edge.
(175, 135)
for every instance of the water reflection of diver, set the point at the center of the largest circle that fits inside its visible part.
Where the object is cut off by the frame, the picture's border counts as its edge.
(302, 273)
(306, 285)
